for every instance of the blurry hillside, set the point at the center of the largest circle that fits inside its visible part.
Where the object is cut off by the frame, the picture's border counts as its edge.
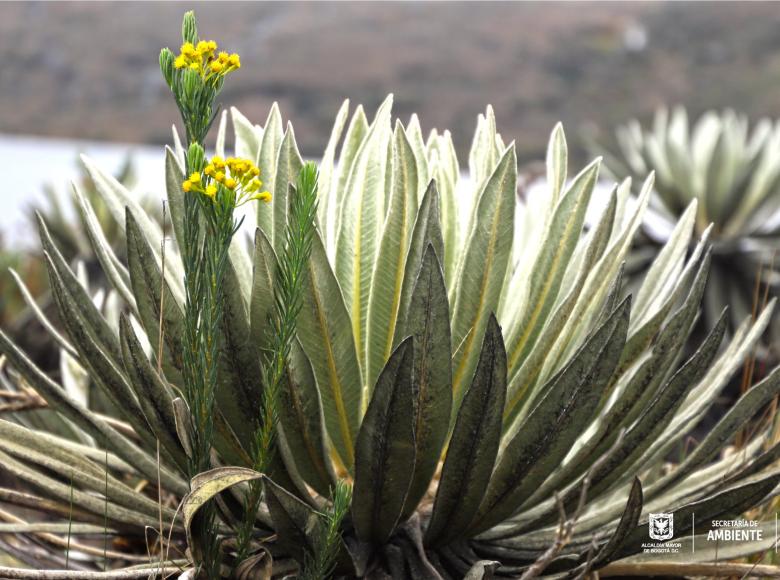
(89, 70)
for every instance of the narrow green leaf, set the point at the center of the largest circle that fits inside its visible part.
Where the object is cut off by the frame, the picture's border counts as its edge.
(174, 177)
(34, 448)
(557, 248)
(268, 156)
(105, 370)
(417, 144)
(474, 444)
(362, 216)
(385, 450)
(557, 162)
(324, 330)
(444, 169)
(239, 388)
(154, 395)
(556, 422)
(326, 207)
(657, 415)
(261, 302)
(177, 146)
(426, 231)
(739, 415)
(356, 134)
(87, 309)
(114, 270)
(64, 491)
(296, 523)
(41, 316)
(484, 265)
(287, 169)
(146, 282)
(387, 278)
(522, 383)
(247, 136)
(302, 422)
(628, 521)
(429, 325)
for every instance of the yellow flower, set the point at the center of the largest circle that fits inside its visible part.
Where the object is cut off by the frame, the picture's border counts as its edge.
(187, 49)
(186, 186)
(239, 176)
(254, 185)
(203, 59)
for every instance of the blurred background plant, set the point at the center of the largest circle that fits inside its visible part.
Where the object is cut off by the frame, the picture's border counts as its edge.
(732, 173)
(23, 275)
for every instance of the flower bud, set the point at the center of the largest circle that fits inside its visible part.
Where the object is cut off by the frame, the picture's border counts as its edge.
(195, 157)
(166, 65)
(191, 81)
(189, 28)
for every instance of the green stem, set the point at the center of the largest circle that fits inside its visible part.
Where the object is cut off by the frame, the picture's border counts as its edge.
(288, 292)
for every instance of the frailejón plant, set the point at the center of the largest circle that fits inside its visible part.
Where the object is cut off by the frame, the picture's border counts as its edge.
(717, 171)
(464, 370)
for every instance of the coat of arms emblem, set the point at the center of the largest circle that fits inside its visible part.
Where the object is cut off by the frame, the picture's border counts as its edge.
(661, 526)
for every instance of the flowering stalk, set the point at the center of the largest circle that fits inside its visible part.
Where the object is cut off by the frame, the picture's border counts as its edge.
(213, 190)
(288, 288)
(196, 77)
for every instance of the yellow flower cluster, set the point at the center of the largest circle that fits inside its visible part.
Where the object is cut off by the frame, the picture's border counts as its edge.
(239, 176)
(204, 58)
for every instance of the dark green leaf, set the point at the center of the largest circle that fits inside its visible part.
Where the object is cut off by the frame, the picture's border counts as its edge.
(427, 231)
(146, 281)
(296, 523)
(429, 325)
(557, 421)
(385, 450)
(474, 443)
(301, 420)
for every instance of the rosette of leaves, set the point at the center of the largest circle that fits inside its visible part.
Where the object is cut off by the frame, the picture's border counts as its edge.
(717, 170)
(66, 223)
(465, 362)
(22, 277)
